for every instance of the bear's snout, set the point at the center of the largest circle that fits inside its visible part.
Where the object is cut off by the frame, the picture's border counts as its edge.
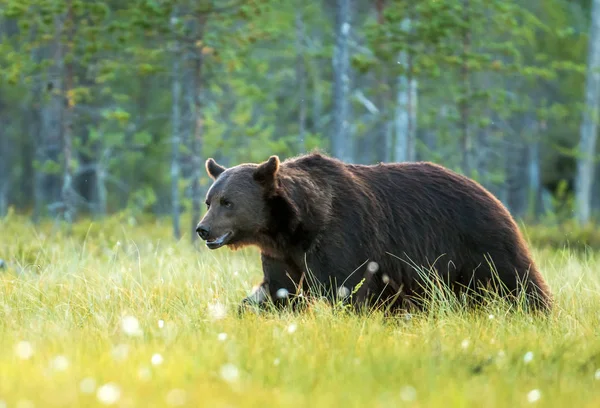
(203, 231)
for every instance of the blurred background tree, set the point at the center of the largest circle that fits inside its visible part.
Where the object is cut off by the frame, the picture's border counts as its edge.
(111, 107)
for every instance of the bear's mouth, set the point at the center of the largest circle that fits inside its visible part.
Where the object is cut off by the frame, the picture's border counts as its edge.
(214, 243)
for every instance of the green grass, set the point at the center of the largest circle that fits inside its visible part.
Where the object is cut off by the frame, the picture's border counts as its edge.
(63, 300)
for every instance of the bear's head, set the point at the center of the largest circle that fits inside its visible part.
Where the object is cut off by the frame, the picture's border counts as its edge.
(242, 203)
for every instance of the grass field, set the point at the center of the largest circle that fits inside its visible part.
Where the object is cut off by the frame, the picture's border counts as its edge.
(125, 316)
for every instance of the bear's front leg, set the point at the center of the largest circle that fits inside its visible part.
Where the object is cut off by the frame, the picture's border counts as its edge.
(279, 287)
(258, 298)
(283, 280)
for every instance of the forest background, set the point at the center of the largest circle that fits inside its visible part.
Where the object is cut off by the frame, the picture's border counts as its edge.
(111, 107)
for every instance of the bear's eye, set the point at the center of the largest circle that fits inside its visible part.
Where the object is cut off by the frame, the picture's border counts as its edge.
(226, 203)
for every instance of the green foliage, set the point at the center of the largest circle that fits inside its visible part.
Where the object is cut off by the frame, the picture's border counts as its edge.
(525, 60)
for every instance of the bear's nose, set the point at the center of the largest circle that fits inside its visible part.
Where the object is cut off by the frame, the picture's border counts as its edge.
(202, 232)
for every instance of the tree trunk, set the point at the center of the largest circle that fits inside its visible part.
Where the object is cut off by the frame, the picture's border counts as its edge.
(482, 157)
(535, 181)
(5, 158)
(596, 191)
(4, 198)
(381, 136)
(341, 145)
(466, 143)
(196, 151)
(516, 175)
(405, 118)
(412, 111)
(48, 184)
(176, 137)
(67, 192)
(101, 193)
(587, 144)
(196, 142)
(35, 134)
(301, 79)
(46, 129)
(5, 180)
(317, 96)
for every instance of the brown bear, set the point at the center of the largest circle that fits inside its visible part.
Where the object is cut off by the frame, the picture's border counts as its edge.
(369, 234)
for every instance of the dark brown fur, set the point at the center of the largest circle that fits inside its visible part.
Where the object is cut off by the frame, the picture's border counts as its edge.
(333, 218)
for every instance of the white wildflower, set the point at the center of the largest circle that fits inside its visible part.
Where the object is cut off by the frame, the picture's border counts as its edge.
(131, 326)
(108, 394)
(534, 396)
(24, 350)
(343, 292)
(157, 359)
(528, 357)
(372, 267)
(282, 293)
(230, 373)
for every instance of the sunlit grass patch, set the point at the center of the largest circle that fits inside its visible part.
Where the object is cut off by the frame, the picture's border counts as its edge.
(124, 316)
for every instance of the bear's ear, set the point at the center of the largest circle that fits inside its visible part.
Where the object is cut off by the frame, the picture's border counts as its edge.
(266, 172)
(213, 169)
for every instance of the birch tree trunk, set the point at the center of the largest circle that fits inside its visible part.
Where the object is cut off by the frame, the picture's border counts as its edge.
(382, 142)
(341, 145)
(587, 143)
(412, 115)
(406, 112)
